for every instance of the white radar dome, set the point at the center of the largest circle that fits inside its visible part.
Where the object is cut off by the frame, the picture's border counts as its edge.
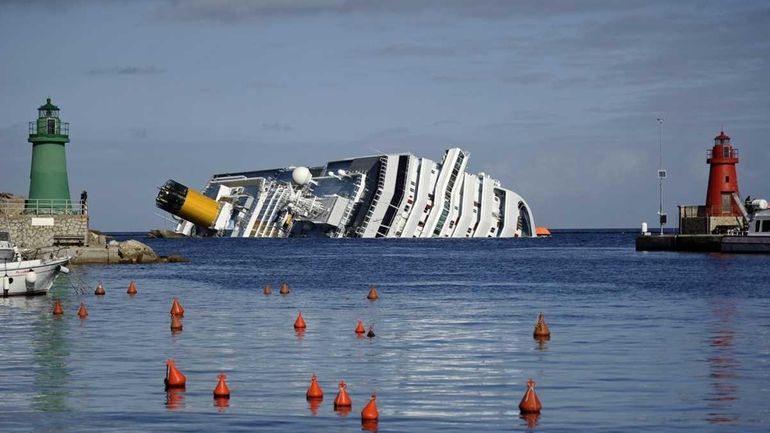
(301, 176)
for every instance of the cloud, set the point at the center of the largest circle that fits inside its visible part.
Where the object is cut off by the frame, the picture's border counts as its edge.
(139, 132)
(445, 122)
(126, 70)
(13, 131)
(242, 10)
(260, 84)
(412, 50)
(277, 126)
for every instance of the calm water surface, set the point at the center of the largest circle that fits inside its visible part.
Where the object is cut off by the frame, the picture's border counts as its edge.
(642, 342)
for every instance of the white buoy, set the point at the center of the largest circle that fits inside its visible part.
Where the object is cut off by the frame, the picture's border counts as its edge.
(31, 277)
(759, 203)
(301, 176)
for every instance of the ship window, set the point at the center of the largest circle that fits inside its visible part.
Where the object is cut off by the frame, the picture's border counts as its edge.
(756, 227)
(766, 226)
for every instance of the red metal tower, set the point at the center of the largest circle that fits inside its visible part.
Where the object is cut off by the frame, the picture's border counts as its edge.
(723, 178)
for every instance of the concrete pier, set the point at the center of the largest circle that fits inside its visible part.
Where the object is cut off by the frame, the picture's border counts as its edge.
(691, 243)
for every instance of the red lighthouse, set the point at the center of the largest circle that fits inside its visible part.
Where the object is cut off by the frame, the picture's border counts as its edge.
(723, 179)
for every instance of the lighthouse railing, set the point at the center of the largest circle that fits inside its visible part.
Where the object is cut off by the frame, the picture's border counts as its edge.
(60, 128)
(17, 206)
(727, 153)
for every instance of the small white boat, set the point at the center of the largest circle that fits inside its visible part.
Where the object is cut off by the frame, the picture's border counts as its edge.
(757, 238)
(27, 277)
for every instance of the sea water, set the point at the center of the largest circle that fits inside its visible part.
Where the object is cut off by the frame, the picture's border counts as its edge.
(641, 342)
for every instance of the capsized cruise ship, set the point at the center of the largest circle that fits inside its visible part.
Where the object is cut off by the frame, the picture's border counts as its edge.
(392, 196)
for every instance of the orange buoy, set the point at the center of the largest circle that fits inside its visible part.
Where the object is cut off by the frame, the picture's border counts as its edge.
(131, 288)
(57, 308)
(82, 311)
(370, 334)
(300, 322)
(314, 391)
(176, 308)
(373, 295)
(176, 323)
(369, 412)
(174, 377)
(360, 328)
(267, 290)
(222, 390)
(100, 290)
(541, 328)
(342, 399)
(284, 290)
(530, 403)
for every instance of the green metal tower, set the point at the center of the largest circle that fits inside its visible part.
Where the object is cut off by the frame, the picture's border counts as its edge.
(48, 185)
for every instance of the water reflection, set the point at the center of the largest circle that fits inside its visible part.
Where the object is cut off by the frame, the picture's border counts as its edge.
(369, 425)
(313, 404)
(531, 419)
(342, 410)
(51, 373)
(722, 364)
(221, 403)
(174, 398)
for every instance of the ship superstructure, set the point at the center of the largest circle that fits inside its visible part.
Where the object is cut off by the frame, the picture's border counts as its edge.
(395, 196)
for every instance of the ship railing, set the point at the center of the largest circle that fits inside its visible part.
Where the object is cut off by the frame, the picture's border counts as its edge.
(18, 206)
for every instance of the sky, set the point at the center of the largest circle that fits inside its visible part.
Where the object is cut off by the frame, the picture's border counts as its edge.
(559, 100)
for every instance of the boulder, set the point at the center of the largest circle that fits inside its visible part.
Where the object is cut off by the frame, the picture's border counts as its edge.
(164, 234)
(136, 252)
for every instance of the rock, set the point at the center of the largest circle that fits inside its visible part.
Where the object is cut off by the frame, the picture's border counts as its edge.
(164, 234)
(97, 238)
(174, 259)
(132, 251)
(128, 252)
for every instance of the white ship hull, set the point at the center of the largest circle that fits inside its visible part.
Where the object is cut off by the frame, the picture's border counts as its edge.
(389, 196)
(16, 279)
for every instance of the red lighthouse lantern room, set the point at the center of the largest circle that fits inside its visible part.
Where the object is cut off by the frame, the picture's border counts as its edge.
(723, 196)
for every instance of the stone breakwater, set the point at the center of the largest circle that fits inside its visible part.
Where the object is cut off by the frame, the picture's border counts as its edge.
(126, 252)
(36, 231)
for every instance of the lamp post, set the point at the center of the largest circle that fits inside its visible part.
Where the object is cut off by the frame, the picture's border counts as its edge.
(661, 175)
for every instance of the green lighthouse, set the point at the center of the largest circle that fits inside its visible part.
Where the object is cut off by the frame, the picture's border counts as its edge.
(48, 185)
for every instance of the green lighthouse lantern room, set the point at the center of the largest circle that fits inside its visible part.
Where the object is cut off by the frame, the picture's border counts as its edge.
(49, 190)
